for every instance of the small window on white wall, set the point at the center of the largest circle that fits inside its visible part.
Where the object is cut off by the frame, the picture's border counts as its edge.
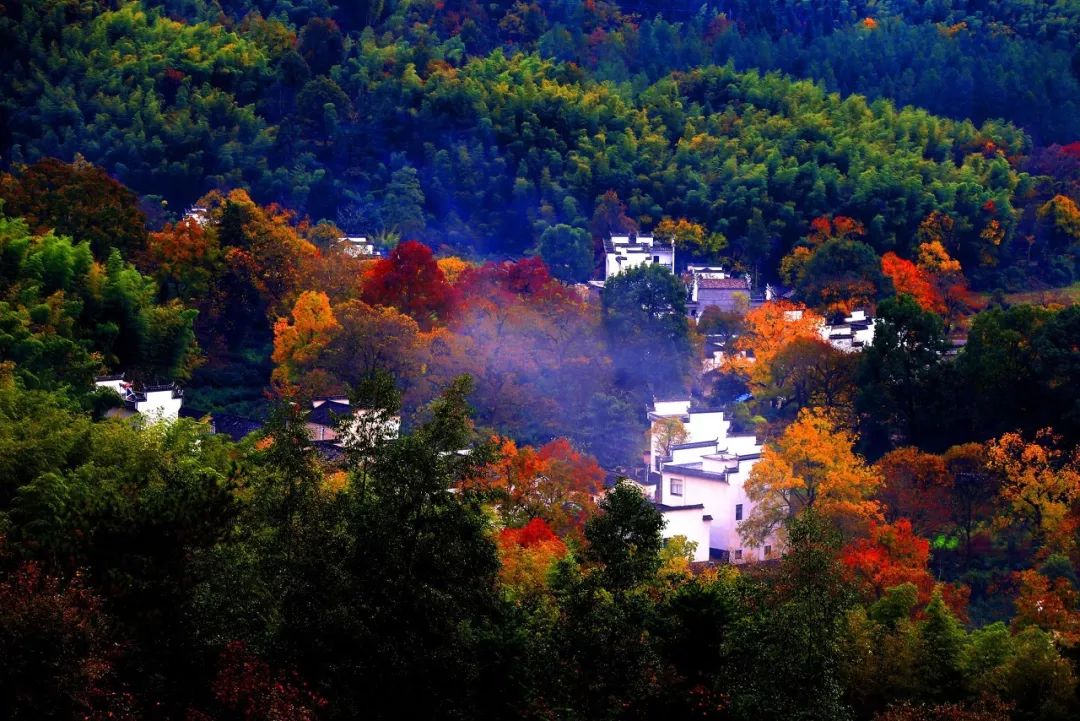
(676, 486)
(738, 511)
(768, 551)
(738, 554)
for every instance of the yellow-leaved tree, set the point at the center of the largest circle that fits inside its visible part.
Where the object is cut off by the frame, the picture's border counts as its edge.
(1040, 488)
(769, 329)
(665, 434)
(452, 268)
(299, 343)
(812, 464)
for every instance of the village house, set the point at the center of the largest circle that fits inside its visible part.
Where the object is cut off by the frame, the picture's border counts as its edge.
(200, 214)
(356, 246)
(697, 485)
(850, 334)
(324, 422)
(714, 287)
(155, 403)
(623, 252)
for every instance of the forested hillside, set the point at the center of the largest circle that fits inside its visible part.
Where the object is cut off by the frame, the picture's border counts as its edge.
(481, 125)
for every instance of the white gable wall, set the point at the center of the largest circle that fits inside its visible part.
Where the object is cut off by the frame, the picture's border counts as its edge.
(691, 524)
(160, 405)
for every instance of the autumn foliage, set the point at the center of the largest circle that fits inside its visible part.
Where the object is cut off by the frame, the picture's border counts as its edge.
(909, 278)
(812, 464)
(1052, 604)
(1040, 489)
(892, 554)
(769, 329)
(186, 259)
(411, 280)
(248, 686)
(58, 659)
(299, 343)
(917, 485)
(527, 555)
(77, 199)
(556, 483)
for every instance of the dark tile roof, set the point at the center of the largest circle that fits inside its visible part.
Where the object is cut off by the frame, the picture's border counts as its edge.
(696, 444)
(654, 416)
(723, 284)
(161, 387)
(694, 470)
(663, 508)
(329, 451)
(633, 246)
(328, 413)
(235, 427)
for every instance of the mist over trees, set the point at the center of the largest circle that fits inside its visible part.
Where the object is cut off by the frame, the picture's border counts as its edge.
(187, 192)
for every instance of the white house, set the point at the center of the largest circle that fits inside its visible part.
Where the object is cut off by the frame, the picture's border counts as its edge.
(156, 403)
(323, 422)
(853, 333)
(698, 487)
(713, 286)
(356, 246)
(200, 214)
(621, 253)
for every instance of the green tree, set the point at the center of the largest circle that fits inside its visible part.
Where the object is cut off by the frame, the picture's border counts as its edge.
(624, 538)
(898, 376)
(403, 203)
(568, 252)
(797, 632)
(943, 642)
(644, 316)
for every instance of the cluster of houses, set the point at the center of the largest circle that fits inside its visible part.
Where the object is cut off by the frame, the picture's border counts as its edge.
(715, 287)
(164, 403)
(696, 480)
(697, 483)
(709, 286)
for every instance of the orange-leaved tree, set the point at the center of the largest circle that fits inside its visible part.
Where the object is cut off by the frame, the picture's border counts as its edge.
(822, 229)
(328, 348)
(690, 236)
(186, 260)
(452, 268)
(527, 555)
(917, 487)
(769, 328)
(299, 343)
(812, 464)
(263, 247)
(555, 482)
(933, 258)
(909, 278)
(1050, 604)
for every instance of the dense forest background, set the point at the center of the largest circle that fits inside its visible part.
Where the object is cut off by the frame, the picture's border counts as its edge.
(917, 159)
(480, 125)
